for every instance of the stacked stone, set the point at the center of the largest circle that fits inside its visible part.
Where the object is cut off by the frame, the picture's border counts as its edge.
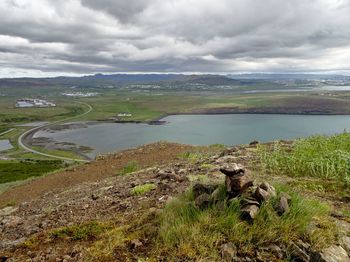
(239, 182)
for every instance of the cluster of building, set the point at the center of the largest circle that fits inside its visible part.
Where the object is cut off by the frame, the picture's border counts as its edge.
(29, 102)
(80, 94)
(122, 114)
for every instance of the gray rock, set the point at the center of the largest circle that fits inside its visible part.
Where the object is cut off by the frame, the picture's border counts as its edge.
(283, 206)
(345, 243)
(298, 254)
(331, 254)
(12, 221)
(270, 189)
(249, 201)
(135, 243)
(249, 212)
(203, 201)
(262, 195)
(6, 211)
(228, 252)
(232, 170)
(236, 185)
(225, 159)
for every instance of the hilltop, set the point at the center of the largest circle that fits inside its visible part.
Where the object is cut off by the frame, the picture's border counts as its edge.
(159, 203)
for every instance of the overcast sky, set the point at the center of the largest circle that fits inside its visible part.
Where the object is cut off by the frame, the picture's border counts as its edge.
(64, 37)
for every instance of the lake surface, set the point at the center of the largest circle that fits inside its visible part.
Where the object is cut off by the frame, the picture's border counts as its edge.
(5, 145)
(200, 130)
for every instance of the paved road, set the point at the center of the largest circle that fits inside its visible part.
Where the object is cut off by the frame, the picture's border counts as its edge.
(7, 131)
(27, 148)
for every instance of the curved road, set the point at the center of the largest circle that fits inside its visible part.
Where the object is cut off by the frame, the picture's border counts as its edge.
(22, 145)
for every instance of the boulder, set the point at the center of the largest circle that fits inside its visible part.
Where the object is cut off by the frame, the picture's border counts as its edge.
(254, 143)
(228, 252)
(270, 189)
(345, 242)
(250, 211)
(331, 254)
(231, 170)
(283, 206)
(203, 201)
(236, 185)
(261, 195)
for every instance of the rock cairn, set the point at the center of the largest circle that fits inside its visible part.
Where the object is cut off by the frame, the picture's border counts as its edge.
(239, 183)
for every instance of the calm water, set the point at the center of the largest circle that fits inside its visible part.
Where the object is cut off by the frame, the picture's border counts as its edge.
(5, 145)
(201, 130)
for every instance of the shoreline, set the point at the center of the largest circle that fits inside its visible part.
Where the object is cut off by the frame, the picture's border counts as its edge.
(29, 140)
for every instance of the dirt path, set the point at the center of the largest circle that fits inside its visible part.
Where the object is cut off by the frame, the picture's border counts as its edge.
(148, 155)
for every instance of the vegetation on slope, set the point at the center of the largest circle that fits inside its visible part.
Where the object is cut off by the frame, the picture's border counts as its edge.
(317, 156)
(187, 231)
(20, 170)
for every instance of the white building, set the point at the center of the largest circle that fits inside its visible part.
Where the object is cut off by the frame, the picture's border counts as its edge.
(124, 115)
(28, 102)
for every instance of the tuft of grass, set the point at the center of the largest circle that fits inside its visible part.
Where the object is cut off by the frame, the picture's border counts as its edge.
(191, 156)
(186, 231)
(10, 203)
(87, 231)
(103, 249)
(326, 157)
(207, 166)
(130, 167)
(142, 189)
(217, 146)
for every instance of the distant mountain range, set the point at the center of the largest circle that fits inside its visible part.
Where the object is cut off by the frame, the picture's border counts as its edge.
(121, 80)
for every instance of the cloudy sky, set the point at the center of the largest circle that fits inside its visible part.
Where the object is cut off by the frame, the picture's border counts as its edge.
(67, 37)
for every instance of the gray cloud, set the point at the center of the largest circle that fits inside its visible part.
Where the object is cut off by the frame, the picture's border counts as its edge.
(87, 36)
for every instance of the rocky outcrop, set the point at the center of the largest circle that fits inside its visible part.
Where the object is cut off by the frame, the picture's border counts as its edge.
(239, 182)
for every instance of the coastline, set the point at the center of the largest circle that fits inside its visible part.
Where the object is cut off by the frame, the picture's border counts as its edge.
(29, 140)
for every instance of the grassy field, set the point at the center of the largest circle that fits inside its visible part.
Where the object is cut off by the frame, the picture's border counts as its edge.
(11, 171)
(151, 105)
(319, 163)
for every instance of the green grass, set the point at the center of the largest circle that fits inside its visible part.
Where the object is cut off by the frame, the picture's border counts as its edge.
(143, 189)
(326, 157)
(130, 167)
(191, 156)
(87, 231)
(193, 234)
(11, 171)
(61, 153)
